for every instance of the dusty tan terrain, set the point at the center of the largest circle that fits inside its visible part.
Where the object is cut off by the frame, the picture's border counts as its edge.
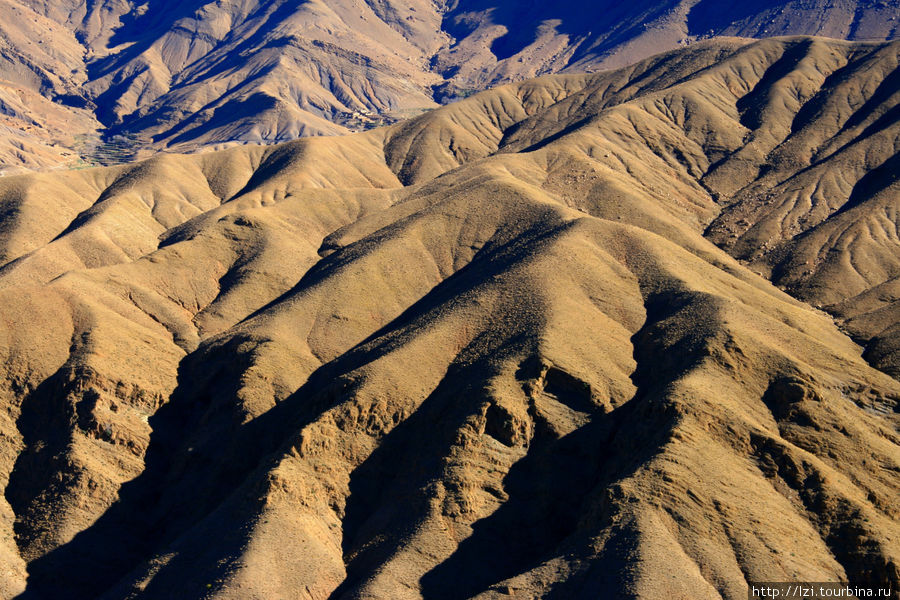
(168, 74)
(492, 351)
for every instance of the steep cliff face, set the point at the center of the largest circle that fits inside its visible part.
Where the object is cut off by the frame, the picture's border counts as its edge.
(492, 350)
(184, 75)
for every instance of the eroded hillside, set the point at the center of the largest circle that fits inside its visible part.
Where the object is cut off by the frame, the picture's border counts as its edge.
(105, 81)
(527, 343)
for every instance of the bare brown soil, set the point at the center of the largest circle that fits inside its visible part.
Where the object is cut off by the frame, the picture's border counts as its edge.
(186, 75)
(531, 344)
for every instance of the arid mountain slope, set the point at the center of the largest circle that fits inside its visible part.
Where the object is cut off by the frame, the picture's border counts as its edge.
(42, 69)
(183, 75)
(488, 351)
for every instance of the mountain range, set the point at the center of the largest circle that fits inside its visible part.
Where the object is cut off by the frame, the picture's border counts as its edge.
(625, 334)
(108, 81)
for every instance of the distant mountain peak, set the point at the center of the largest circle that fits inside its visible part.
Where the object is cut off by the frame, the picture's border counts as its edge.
(205, 74)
